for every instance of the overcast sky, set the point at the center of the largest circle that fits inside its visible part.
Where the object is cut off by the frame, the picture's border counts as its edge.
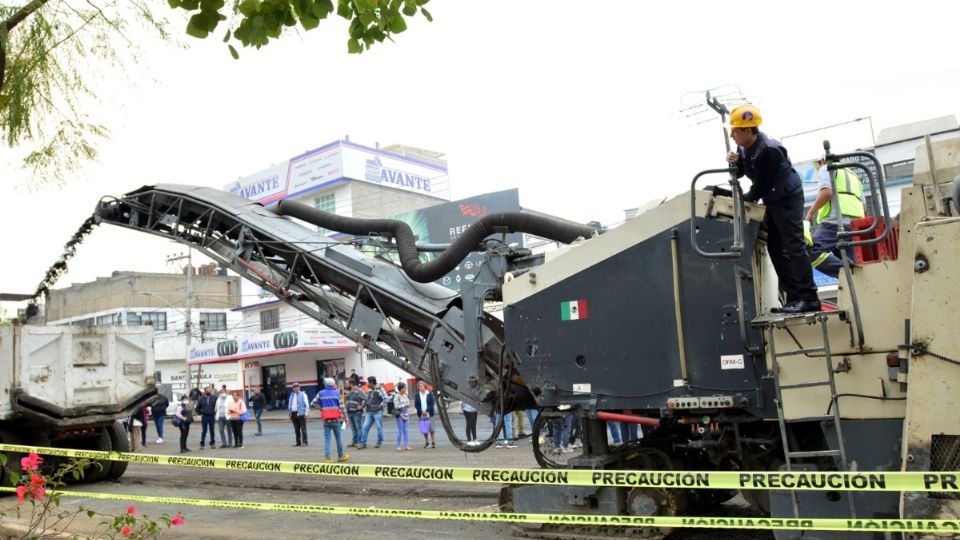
(575, 103)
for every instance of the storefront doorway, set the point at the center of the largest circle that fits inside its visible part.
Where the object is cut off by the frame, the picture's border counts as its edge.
(330, 368)
(275, 385)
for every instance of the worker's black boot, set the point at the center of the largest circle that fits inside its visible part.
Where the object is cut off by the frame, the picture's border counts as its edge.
(800, 306)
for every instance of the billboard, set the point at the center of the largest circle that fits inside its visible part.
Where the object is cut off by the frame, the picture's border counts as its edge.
(443, 223)
(261, 344)
(341, 161)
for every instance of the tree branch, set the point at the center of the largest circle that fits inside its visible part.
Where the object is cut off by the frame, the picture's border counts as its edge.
(23, 13)
(8, 26)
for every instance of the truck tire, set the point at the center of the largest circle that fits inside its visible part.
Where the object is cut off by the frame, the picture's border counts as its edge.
(13, 460)
(101, 469)
(120, 443)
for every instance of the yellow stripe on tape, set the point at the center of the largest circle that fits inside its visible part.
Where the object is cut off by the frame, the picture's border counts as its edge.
(806, 481)
(824, 524)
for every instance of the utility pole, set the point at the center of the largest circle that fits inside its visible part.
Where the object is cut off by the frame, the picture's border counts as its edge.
(188, 327)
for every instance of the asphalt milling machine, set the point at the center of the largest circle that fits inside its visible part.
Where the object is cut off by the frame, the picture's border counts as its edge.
(663, 321)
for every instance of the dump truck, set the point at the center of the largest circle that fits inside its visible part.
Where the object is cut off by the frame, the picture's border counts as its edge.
(71, 386)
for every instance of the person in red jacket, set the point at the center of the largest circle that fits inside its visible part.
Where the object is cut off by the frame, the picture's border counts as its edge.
(332, 413)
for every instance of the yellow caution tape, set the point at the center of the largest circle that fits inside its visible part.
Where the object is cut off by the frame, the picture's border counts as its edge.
(807, 481)
(824, 524)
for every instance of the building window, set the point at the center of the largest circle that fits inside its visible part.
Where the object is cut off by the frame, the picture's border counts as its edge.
(112, 319)
(157, 318)
(326, 203)
(213, 322)
(82, 322)
(270, 319)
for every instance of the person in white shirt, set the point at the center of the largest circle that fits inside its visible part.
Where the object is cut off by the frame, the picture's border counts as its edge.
(226, 434)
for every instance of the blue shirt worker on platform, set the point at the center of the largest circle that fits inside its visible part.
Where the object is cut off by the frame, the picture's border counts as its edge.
(765, 162)
(824, 255)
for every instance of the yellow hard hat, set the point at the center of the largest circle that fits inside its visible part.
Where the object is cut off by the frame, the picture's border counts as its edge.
(745, 116)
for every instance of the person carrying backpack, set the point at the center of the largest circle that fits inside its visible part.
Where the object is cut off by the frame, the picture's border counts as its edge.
(182, 419)
(373, 411)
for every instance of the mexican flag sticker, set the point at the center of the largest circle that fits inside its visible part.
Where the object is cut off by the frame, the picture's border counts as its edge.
(573, 310)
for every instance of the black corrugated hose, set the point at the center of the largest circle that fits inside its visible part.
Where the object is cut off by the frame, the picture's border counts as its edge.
(459, 249)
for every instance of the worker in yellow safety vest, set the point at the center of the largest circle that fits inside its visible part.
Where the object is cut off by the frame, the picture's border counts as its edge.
(824, 255)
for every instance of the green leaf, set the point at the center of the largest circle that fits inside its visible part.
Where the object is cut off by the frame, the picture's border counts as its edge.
(327, 6)
(398, 24)
(190, 5)
(409, 9)
(308, 22)
(353, 46)
(14, 477)
(90, 513)
(233, 52)
(76, 474)
(3, 103)
(344, 10)
(426, 14)
(248, 8)
(367, 17)
(173, 3)
(365, 5)
(197, 26)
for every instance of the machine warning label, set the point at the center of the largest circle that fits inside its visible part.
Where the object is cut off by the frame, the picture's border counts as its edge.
(731, 361)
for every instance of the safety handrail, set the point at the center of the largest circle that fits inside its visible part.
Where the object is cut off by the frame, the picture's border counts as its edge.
(737, 247)
(878, 192)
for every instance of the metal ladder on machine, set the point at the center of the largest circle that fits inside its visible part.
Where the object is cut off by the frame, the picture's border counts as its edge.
(772, 322)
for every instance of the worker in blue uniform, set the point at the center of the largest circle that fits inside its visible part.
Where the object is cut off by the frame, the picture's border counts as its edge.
(765, 162)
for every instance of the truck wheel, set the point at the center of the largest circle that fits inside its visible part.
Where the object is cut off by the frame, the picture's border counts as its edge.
(13, 460)
(120, 443)
(100, 470)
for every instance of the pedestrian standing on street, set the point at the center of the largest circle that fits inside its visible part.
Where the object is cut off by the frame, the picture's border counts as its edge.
(765, 162)
(355, 400)
(332, 413)
(235, 410)
(258, 401)
(226, 435)
(137, 422)
(425, 408)
(299, 409)
(373, 406)
(506, 432)
(401, 407)
(147, 411)
(182, 418)
(159, 413)
(518, 424)
(207, 409)
(470, 414)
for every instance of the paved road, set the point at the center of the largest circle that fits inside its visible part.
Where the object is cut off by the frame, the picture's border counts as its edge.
(276, 443)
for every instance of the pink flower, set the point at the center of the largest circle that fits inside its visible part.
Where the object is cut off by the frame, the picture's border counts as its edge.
(21, 493)
(38, 493)
(31, 463)
(177, 519)
(37, 480)
(131, 510)
(126, 531)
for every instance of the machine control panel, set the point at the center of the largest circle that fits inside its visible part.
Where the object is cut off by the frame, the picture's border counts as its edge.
(707, 402)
